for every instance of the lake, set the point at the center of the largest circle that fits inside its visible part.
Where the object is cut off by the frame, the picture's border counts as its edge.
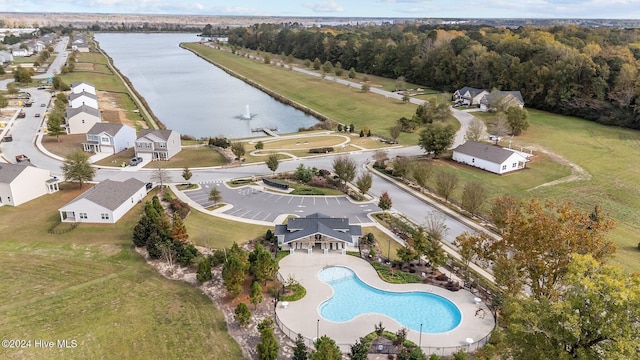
(190, 95)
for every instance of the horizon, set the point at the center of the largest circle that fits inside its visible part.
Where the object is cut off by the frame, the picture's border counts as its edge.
(379, 9)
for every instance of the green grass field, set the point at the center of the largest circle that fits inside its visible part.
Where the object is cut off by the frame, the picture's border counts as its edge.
(606, 153)
(89, 285)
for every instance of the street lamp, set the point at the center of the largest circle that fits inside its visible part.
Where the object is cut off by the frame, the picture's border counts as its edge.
(420, 342)
(318, 329)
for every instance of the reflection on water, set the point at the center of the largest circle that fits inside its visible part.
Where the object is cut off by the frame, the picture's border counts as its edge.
(192, 96)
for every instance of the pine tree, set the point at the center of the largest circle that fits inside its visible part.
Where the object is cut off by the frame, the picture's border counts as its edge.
(300, 351)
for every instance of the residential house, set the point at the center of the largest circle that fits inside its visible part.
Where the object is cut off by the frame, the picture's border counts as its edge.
(469, 96)
(109, 138)
(105, 202)
(5, 57)
(81, 119)
(18, 52)
(83, 98)
(79, 43)
(489, 157)
(80, 87)
(501, 99)
(318, 231)
(157, 144)
(20, 183)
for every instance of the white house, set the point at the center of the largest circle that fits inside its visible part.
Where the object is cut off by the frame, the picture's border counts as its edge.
(489, 157)
(109, 138)
(83, 98)
(105, 202)
(79, 87)
(318, 231)
(20, 183)
(503, 99)
(469, 96)
(81, 119)
(158, 144)
(5, 57)
(17, 52)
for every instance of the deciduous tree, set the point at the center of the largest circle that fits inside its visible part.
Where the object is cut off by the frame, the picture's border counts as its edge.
(537, 244)
(76, 167)
(273, 162)
(518, 119)
(385, 202)
(364, 182)
(473, 197)
(214, 195)
(421, 172)
(595, 316)
(345, 168)
(237, 148)
(436, 138)
(475, 130)
(446, 183)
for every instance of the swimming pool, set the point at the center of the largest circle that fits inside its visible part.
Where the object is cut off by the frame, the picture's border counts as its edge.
(352, 297)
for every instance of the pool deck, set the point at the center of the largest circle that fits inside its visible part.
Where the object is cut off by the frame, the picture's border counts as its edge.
(303, 316)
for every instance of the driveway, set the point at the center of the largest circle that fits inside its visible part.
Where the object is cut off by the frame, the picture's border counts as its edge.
(253, 203)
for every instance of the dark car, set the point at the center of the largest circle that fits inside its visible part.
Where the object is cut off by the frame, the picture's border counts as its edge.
(135, 161)
(43, 105)
(149, 186)
(38, 115)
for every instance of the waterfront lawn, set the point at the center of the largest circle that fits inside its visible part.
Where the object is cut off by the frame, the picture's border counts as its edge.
(191, 157)
(89, 285)
(343, 104)
(603, 151)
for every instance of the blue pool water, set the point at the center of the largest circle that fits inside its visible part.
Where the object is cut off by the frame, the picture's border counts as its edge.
(351, 297)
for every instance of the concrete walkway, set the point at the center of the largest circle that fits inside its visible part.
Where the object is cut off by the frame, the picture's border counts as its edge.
(303, 316)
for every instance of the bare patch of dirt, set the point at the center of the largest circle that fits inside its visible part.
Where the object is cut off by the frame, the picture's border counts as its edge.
(112, 113)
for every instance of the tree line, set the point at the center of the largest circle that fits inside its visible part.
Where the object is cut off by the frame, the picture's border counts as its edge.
(586, 72)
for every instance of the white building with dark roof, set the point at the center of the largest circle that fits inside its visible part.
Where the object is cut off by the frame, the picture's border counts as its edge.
(79, 87)
(158, 144)
(81, 119)
(105, 202)
(318, 231)
(83, 98)
(489, 157)
(109, 138)
(20, 183)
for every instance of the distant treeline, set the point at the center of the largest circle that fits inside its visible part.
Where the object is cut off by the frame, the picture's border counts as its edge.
(587, 72)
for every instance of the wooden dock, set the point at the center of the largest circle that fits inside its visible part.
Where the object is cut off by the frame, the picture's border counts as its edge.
(268, 131)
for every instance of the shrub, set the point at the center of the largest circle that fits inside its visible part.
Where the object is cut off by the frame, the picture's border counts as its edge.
(217, 258)
(221, 142)
(180, 207)
(204, 270)
(323, 150)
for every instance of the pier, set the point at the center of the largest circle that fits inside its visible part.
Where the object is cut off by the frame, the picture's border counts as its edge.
(266, 130)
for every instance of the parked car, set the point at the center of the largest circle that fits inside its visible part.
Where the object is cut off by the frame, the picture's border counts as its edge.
(38, 115)
(21, 158)
(135, 161)
(149, 186)
(43, 105)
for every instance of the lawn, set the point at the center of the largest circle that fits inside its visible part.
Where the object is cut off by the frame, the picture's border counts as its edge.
(603, 151)
(89, 285)
(343, 104)
(218, 233)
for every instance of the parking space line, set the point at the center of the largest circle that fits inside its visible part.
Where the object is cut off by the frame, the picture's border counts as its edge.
(265, 218)
(254, 216)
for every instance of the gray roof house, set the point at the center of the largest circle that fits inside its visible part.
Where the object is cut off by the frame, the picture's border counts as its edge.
(318, 230)
(20, 183)
(489, 157)
(83, 98)
(469, 96)
(157, 144)
(79, 87)
(81, 119)
(503, 98)
(109, 138)
(105, 202)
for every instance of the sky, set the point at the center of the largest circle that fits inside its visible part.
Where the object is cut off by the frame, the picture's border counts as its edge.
(592, 9)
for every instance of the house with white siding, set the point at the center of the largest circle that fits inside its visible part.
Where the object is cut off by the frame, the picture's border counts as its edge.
(80, 120)
(79, 87)
(318, 231)
(158, 144)
(489, 157)
(83, 98)
(109, 138)
(20, 183)
(469, 96)
(105, 202)
(501, 99)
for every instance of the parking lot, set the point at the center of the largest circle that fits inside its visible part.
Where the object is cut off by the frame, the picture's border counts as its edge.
(262, 205)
